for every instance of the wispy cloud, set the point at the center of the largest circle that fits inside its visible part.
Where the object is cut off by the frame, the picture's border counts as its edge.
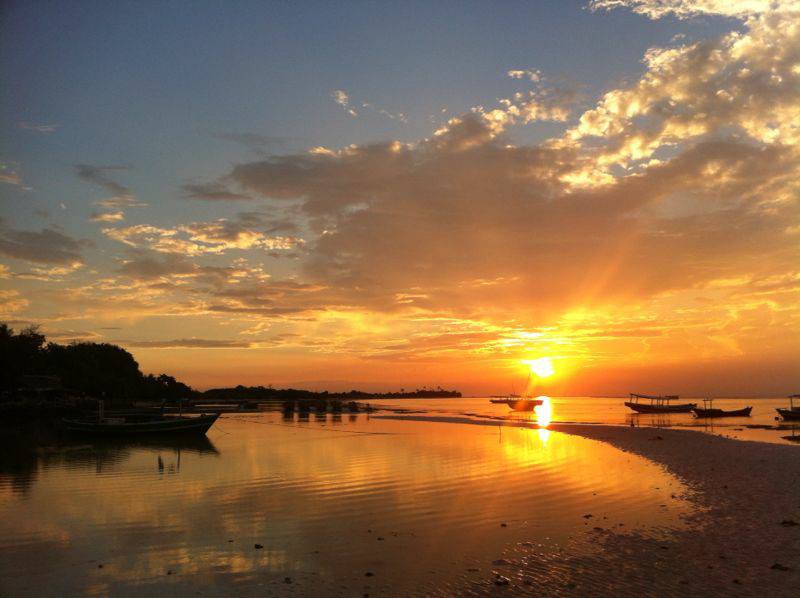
(38, 127)
(185, 343)
(9, 175)
(213, 191)
(198, 238)
(122, 197)
(107, 216)
(529, 74)
(253, 141)
(342, 98)
(684, 9)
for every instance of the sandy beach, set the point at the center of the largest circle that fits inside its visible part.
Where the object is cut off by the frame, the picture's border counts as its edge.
(742, 539)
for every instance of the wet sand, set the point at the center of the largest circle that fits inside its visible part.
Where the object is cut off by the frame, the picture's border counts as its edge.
(741, 539)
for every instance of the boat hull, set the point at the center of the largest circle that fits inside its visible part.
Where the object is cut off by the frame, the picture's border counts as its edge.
(519, 404)
(167, 426)
(645, 408)
(789, 414)
(721, 413)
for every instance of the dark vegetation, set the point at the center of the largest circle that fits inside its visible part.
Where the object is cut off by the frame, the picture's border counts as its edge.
(30, 366)
(267, 393)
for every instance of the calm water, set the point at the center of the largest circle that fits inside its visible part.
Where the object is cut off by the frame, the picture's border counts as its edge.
(597, 410)
(417, 504)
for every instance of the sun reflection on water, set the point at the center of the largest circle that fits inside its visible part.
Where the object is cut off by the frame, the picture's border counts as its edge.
(544, 412)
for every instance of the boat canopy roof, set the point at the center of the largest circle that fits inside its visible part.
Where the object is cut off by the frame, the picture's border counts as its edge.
(656, 397)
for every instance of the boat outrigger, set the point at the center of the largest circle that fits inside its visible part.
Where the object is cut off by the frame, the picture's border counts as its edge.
(792, 413)
(658, 404)
(708, 410)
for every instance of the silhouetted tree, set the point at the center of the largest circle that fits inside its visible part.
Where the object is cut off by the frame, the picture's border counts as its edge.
(98, 369)
(20, 354)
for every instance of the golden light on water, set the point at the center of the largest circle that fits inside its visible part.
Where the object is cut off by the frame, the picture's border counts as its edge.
(544, 412)
(542, 367)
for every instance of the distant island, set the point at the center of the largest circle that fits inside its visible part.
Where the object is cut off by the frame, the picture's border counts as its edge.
(35, 370)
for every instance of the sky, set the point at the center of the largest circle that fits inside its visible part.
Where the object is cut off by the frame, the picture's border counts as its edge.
(386, 195)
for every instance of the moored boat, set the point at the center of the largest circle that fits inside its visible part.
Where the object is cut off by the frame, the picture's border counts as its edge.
(142, 425)
(518, 404)
(712, 412)
(658, 404)
(792, 413)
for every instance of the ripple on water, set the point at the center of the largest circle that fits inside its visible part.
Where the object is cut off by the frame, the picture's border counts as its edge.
(417, 505)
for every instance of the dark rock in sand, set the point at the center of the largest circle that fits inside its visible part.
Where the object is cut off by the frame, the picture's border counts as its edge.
(789, 523)
(368, 574)
(258, 546)
(503, 525)
(779, 567)
(500, 562)
(587, 516)
(287, 580)
(500, 580)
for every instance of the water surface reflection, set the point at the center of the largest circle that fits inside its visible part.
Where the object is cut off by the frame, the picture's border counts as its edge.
(327, 499)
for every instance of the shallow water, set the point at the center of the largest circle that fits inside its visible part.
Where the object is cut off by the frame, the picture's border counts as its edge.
(330, 499)
(612, 411)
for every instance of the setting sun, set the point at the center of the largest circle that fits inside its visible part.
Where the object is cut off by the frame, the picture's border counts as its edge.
(542, 367)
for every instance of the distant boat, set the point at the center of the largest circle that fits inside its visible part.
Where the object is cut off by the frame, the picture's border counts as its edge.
(658, 404)
(792, 413)
(142, 424)
(518, 404)
(708, 410)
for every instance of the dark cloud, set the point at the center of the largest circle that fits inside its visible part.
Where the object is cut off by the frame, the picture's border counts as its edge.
(214, 191)
(186, 343)
(47, 246)
(253, 141)
(98, 175)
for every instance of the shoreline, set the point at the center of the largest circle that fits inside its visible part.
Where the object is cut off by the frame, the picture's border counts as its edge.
(743, 539)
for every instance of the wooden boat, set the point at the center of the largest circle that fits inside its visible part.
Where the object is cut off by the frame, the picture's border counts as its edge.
(792, 413)
(518, 404)
(658, 404)
(142, 424)
(711, 412)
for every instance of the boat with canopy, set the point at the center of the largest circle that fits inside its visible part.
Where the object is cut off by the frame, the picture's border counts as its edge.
(658, 404)
(793, 412)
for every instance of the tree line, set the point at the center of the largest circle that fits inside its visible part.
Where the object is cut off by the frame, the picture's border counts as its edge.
(106, 370)
(93, 369)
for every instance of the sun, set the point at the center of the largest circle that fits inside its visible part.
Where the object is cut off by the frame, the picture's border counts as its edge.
(542, 367)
